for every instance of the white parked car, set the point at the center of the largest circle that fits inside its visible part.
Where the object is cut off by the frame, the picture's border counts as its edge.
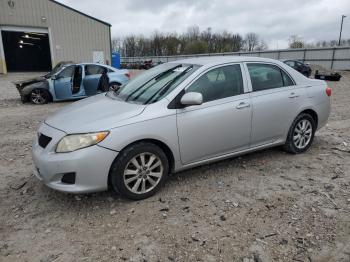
(176, 116)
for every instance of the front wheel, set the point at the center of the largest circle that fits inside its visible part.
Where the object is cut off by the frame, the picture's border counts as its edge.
(301, 134)
(39, 96)
(139, 171)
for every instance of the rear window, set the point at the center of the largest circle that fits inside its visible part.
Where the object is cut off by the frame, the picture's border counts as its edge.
(93, 70)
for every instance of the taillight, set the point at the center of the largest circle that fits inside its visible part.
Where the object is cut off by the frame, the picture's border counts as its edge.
(127, 75)
(328, 91)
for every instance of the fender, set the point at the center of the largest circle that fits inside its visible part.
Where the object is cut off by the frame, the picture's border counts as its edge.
(39, 85)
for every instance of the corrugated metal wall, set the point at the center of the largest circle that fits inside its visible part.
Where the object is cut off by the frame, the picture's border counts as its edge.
(73, 36)
(337, 58)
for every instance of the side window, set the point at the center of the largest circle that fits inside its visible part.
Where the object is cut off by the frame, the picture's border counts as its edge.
(265, 76)
(93, 70)
(219, 83)
(290, 63)
(67, 72)
(298, 64)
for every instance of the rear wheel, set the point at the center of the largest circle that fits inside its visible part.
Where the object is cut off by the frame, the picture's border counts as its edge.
(39, 96)
(301, 134)
(114, 86)
(139, 171)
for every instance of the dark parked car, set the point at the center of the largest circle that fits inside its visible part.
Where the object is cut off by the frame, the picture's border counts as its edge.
(299, 66)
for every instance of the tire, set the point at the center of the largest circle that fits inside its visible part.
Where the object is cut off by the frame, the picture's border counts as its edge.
(39, 96)
(135, 181)
(114, 86)
(303, 127)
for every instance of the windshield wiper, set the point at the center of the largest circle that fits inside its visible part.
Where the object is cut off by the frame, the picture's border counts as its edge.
(154, 78)
(166, 87)
(166, 71)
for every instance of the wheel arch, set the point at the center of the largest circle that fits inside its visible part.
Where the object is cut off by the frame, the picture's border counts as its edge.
(166, 149)
(312, 113)
(115, 81)
(27, 95)
(26, 91)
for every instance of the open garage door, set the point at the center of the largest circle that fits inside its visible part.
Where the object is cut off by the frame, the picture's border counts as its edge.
(26, 51)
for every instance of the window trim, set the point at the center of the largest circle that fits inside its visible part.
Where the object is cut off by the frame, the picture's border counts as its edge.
(271, 64)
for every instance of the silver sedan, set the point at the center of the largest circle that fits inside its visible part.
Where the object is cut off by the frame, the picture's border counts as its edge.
(176, 116)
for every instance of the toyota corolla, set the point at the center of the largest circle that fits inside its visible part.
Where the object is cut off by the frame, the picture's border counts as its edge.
(176, 116)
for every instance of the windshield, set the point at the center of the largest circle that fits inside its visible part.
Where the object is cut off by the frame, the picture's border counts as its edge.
(154, 84)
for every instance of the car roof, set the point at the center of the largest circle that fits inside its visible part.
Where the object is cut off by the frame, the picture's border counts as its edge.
(83, 64)
(294, 60)
(212, 60)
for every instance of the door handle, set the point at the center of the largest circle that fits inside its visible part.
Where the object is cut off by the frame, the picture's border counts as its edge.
(293, 95)
(242, 105)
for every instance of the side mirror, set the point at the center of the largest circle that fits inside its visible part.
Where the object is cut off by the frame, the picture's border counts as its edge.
(191, 99)
(54, 77)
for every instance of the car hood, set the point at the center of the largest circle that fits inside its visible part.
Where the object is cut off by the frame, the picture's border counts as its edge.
(26, 82)
(96, 113)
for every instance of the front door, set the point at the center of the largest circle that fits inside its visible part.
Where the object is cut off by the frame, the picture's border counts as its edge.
(221, 125)
(276, 100)
(63, 83)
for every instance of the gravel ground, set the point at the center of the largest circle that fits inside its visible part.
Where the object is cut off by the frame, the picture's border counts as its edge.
(265, 206)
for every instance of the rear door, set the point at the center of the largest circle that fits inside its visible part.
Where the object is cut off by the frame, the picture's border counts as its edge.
(276, 101)
(63, 83)
(220, 125)
(91, 78)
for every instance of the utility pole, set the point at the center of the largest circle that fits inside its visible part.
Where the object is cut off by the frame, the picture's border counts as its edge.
(341, 28)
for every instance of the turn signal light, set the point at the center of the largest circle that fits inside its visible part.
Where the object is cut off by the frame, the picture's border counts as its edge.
(328, 91)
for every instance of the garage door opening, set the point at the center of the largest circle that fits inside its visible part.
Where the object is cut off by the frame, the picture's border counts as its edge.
(26, 51)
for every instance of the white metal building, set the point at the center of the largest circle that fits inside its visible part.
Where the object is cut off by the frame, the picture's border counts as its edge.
(37, 34)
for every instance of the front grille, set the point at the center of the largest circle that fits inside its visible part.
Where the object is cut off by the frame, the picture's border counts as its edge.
(44, 140)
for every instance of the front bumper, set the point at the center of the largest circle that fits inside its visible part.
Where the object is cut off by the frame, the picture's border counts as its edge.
(91, 165)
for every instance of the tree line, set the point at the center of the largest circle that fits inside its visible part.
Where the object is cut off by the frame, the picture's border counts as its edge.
(296, 41)
(193, 41)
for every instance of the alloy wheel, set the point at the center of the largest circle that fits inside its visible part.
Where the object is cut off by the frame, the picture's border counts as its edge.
(143, 173)
(114, 87)
(302, 134)
(38, 96)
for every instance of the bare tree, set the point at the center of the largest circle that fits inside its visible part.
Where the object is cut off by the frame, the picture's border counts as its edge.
(261, 46)
(193, 33)
(296, 42)
(117, 45)
(251, 41)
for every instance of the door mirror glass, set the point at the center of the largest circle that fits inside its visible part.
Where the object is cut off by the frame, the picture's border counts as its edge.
(191, 99)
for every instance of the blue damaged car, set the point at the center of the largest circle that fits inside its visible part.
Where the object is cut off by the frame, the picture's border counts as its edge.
(68, 81)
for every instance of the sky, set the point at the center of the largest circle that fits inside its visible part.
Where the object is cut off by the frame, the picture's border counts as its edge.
(273, 20)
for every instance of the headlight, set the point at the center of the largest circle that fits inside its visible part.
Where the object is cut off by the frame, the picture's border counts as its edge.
(74, 142)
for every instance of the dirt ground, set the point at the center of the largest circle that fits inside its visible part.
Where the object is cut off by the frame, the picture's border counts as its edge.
(265, 206)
